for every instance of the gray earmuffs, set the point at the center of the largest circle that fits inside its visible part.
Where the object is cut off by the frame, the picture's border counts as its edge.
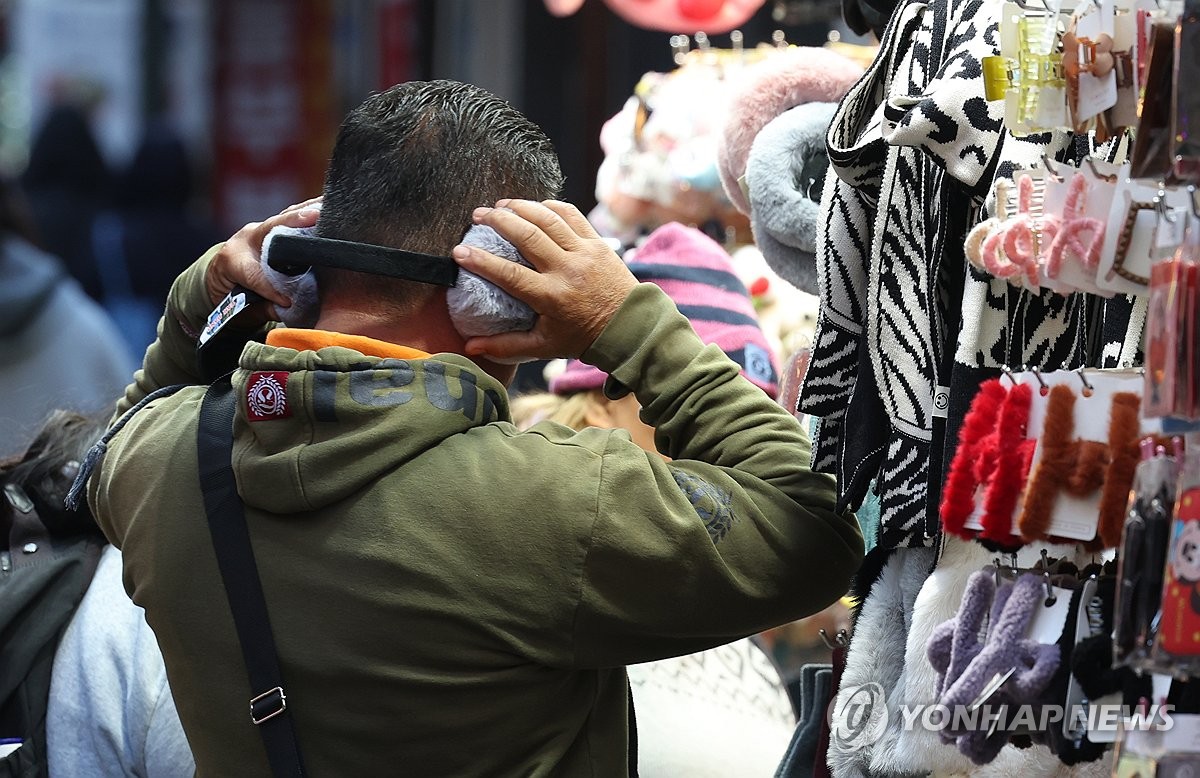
(477, 306)
(785, 172)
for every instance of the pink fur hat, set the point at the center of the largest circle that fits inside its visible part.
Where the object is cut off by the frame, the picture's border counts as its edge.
(790, 78)
(711, 16)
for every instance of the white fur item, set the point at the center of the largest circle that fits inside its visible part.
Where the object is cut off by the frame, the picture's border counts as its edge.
(787, 162)
(477, 307)
(876, 655)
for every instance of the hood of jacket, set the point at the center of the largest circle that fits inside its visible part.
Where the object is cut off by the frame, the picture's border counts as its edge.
(27, 278)
(319, 426)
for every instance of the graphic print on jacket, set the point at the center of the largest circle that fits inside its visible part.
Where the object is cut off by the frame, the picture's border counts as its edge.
(713, 504)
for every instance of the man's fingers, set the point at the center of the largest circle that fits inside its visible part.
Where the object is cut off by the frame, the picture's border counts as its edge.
(304, 217)
(509, 346)
(546, 220)
(537, 247)
(518, 280)
(573, 218)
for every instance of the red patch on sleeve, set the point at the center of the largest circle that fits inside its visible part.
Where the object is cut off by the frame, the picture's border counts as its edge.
(266, 396)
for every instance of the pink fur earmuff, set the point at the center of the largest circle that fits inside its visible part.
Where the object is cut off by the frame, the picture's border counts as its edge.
(769, 88)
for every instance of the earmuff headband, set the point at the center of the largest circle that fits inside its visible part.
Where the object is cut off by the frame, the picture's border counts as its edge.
(294, 254)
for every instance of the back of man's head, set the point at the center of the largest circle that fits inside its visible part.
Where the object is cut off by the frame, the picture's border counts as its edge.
(411, 163)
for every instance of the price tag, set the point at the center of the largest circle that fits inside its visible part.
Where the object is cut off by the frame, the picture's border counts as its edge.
(234, 303)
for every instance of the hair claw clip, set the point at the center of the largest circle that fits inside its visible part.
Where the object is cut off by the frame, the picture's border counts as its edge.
(1079, 234)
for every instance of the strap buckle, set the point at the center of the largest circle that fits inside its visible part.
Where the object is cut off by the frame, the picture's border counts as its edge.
(268, 705)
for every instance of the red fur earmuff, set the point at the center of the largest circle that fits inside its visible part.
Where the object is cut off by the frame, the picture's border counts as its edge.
(1123, 430)
(1008, 473)
(958, 495)
(1054, 468)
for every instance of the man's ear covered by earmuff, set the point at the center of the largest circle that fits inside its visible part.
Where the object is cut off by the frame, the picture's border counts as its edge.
(477, 307)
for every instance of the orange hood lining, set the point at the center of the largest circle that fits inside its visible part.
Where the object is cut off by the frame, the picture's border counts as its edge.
(313, 340)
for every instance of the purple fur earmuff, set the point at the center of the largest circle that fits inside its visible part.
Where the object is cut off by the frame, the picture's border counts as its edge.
(966, 665)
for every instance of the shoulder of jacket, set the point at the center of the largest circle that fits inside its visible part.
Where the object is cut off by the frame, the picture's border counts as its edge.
(591, 441)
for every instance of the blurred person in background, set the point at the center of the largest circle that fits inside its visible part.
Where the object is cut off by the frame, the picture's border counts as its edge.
(83, 685)
(725, 711)
(58, 348)
(153, 234)
(67, 184)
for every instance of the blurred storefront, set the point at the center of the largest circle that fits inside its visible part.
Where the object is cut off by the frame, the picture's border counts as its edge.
(257, 86)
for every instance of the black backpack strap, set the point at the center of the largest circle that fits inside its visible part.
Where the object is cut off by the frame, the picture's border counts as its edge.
(235, 557)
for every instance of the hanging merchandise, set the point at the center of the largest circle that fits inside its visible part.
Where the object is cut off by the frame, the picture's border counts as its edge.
(1151, 752)
(1144, 226)
(1028, 75)
(1151, 150)
(1143, 556)
(782, 80)
(1046, 457)
(1158, 616)
(661, 149)
(678, 149)
(1172, 349)
(1080, 75)
(1185, 103)
(1177, 644)
(874, 664)
(783, 208)
(1007, 188)
(660, 154)
(1091, 229)
(772, 156)
(1166, 143)
(805, 755)
(1016, 660)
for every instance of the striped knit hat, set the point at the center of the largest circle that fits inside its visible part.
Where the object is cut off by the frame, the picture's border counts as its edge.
(699, 276)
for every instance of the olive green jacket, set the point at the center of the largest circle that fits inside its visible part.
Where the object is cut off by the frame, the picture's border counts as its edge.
(450, 596)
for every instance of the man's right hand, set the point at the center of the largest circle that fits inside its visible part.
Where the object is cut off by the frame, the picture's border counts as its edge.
(236, 263)
(576, 287)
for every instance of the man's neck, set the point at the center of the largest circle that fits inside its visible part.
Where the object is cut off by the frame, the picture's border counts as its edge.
(427, 328)
(416, 330)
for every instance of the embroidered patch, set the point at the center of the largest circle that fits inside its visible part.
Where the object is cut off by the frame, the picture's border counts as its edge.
(712, 504)
(267, 396)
